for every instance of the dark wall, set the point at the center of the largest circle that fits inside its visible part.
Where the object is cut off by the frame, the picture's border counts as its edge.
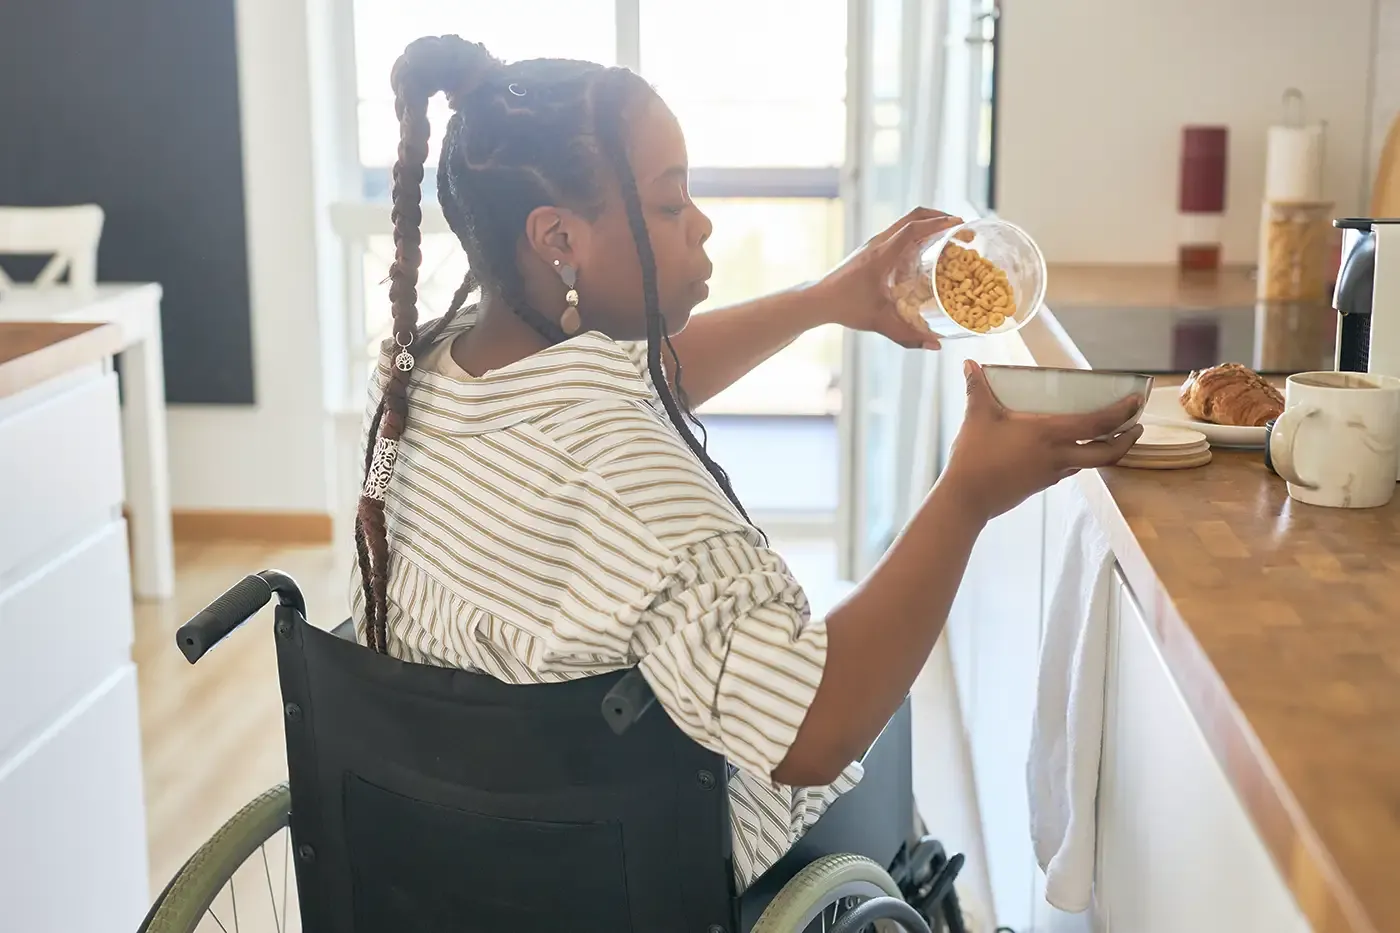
(133, 105)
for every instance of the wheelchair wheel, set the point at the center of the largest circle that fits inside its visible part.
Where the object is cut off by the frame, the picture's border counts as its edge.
(830, 886)
(246, 855)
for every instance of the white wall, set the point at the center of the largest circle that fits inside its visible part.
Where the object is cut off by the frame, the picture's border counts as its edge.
(1386, 104)
(272, 457)
(1094, 93)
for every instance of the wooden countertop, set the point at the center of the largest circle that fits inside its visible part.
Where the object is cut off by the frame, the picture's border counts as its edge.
(1164, 286)
(1281, 624)
(32, 352)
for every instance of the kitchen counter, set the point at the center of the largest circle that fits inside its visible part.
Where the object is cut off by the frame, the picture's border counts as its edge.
(34, 351)
(1280, 624)
(1149, 286)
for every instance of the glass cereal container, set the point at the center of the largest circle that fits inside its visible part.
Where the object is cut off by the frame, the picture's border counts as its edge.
(983, 277)
(1295, 244)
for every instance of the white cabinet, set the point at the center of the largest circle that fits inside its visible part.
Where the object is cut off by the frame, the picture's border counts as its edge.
(1004, 582)
(66, 626)
(72, 814)
(72, 828)
(61, 461)
(1176, 849)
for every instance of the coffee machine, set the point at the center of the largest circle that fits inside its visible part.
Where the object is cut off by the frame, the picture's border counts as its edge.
(1367, 297)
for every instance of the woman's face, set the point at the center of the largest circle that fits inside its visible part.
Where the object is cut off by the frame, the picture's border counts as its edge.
(609, 270)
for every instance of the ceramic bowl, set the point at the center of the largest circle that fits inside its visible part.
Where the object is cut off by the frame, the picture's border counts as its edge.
(1043, 391)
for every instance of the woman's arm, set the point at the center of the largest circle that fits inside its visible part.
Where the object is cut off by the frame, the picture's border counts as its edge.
(880, 637)
(720, 347)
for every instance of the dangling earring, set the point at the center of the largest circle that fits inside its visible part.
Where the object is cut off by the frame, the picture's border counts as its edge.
(569, 321)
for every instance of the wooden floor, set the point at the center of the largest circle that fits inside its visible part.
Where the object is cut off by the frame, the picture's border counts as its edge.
(212, 733)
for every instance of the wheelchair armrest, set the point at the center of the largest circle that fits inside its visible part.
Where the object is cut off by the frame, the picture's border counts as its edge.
(628, 699)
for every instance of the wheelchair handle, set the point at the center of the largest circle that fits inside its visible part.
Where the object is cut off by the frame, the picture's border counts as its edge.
(628, 699)
(237, 605)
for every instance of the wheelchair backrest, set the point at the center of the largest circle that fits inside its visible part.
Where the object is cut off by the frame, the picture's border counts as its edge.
(428, 799)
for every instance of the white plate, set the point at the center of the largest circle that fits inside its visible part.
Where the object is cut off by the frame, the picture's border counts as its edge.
(1164, 407)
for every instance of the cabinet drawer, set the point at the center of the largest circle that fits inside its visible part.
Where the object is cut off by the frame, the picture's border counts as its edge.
(72, 820)
(65, 627)
(61, 462)
(1177, 851)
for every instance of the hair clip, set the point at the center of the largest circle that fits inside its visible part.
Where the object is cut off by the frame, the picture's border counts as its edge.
(515, 90)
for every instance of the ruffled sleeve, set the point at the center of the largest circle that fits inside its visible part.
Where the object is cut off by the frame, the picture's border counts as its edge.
(731, 652)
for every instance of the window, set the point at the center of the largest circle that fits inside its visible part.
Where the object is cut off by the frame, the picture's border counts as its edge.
(759, 88)
(753, 82)
(763, 246)
(444, 266)
(986, 46)
(522, 29)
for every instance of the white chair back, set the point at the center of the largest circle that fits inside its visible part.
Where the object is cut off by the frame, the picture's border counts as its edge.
(69, 235)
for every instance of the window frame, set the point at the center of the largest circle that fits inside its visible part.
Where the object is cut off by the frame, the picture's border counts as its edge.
(356, 216)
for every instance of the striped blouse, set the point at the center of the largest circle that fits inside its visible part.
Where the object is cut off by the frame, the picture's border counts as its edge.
(546, 522)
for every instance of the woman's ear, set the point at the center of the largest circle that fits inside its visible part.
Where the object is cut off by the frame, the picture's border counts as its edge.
(556, 234)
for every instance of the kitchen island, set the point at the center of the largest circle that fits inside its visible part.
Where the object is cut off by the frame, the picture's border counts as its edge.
(1251, 765)
(72, 815)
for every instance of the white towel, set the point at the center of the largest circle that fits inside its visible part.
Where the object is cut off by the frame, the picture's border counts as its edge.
(1062, 775)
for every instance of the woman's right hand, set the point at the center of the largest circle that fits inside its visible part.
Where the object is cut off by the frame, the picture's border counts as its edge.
(1001, 458)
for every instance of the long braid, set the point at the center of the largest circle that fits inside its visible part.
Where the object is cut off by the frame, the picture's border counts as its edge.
(417, 75)
(362, 560)
(613, 139)
(375, 629)
(683, 398)
(460, 296)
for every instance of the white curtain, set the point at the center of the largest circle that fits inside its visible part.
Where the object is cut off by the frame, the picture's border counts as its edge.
(924, 73)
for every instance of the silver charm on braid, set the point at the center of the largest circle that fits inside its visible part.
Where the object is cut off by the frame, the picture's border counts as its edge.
(404, 359)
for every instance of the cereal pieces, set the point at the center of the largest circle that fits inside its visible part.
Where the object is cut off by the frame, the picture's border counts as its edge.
(974, 292)
(911, 294)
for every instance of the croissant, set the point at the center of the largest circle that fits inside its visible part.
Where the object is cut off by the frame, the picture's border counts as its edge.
(1230, 394)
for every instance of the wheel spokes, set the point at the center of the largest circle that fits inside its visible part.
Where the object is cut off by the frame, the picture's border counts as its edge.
(232, 914)
(210, 912)
(271, 897)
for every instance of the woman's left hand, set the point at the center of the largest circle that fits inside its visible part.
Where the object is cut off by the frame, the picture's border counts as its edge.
(857, 293)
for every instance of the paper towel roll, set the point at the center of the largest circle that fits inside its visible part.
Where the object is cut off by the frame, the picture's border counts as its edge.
(1294, 165)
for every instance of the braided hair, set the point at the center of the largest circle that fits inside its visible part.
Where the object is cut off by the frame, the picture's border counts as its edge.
(504, 154)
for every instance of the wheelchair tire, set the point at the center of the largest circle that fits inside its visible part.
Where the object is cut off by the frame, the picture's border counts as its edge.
(183, 903)
(820, 886)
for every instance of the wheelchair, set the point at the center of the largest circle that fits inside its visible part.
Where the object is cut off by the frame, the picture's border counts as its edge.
(426, 800)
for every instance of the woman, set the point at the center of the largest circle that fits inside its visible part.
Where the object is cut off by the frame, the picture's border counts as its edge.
(536, 504)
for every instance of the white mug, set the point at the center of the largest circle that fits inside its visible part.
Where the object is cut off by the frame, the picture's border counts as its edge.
(1337, 443)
